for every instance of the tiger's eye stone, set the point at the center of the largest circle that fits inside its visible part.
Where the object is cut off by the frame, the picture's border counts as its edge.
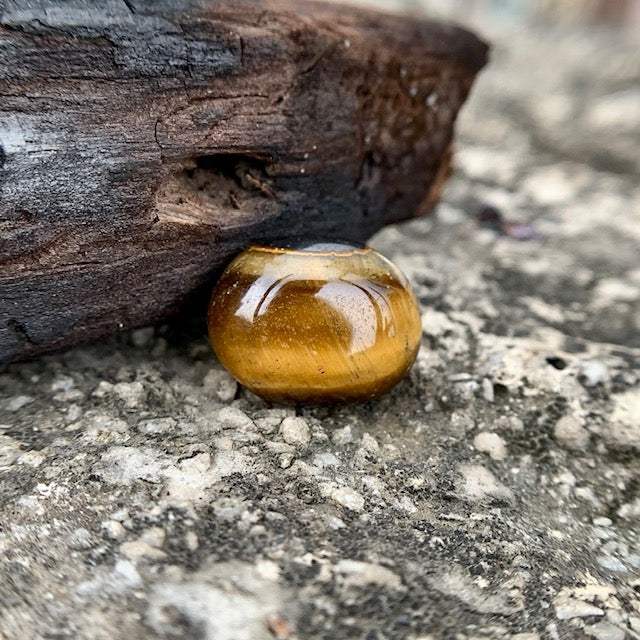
(317, 323)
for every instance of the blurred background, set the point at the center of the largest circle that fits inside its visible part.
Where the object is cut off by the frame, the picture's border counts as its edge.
(563, 82)
(622, 15)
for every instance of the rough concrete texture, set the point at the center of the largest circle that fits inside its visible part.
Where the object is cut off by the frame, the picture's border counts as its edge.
(495, 493)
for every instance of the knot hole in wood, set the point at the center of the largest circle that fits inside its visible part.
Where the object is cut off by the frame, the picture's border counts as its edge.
(222, 190)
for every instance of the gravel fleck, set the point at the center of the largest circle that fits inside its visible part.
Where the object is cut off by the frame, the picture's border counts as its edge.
(492, 444)
(567, 608)
(295, 431)
(355, 573)
(221, 384)
(344, 496)
(570, 433)
(487, 390)
(18, 402)
(132, 394)
(480, 485)
(605, 631)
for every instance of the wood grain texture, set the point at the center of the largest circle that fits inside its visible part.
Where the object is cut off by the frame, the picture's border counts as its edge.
(142, 143)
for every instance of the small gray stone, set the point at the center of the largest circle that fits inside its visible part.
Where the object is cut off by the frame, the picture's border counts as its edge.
(571, 434)
(126, 465)
(285, 460)
(602, 521)
(480, 485)
(191, 540)
(611, 563)
(235, 418)
(17, 402)
(344, 496)
(221, 384)
(114, 529)
(492, 444)
(369, 443)
(268, 422)
(630, 510)
(567, 608)
(224, 601)
(132, 394)
(81, 539)
(62, 383)
(487, 390)
(157, 425)
(343, 436)
(605, 631)
(355, 573)
(594, 372)
(615, 617)
(295, 431)
(325, 460)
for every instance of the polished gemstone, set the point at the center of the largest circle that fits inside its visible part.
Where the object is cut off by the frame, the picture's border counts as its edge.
(314, 322)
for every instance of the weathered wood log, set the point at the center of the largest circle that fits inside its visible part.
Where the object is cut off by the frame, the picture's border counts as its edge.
(143, 142)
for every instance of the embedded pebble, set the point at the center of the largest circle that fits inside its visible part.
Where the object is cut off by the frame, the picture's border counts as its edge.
(492, 444)
(487, 390)
(343, 436)
(295, 431)
(221, 384)
(612, 563)
(355, 573)
(344, 496)
(157, 425)
(602, 521)
(235, 418)
(18, 402)
(570, 433)
(62, 383)
(81, 539)
(568, 608)
(325, 460)
(285, 460)
(191, 540)
(132, 394)
(623, 430)
(630, 510)
(114, 529)
(369, 443)
(148, 545)
(605, 631)
(594, 372)
(480, 485)
(231, 600)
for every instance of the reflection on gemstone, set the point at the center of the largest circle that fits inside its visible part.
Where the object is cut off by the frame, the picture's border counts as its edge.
(321, 323)
(357, 311)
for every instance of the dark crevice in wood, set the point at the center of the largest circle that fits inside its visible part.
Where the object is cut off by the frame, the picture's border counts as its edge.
(20, 333)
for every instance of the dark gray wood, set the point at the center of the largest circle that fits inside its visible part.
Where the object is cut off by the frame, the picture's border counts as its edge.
(142, 143)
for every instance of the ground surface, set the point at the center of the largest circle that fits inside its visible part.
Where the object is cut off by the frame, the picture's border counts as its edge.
(494, 494)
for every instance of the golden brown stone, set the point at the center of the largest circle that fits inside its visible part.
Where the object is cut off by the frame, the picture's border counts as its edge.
(320, 322)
